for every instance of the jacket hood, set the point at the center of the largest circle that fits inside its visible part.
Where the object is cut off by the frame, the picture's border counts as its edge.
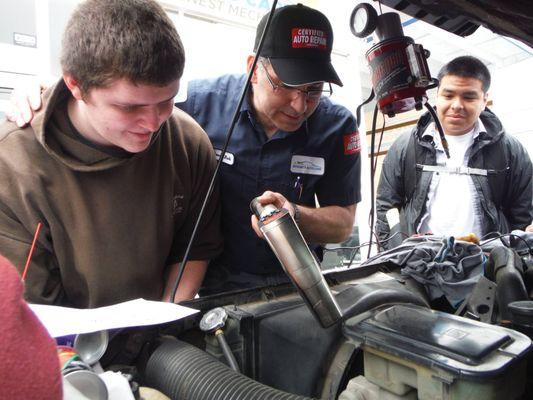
(66, 148)
(491, 122)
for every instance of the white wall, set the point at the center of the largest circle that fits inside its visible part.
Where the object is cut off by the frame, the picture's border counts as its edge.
(511, 95)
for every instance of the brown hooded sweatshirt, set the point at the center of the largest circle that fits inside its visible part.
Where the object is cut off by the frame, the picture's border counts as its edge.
(112, 221)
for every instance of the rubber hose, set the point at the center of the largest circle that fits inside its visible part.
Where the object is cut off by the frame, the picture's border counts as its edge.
(361, 298)
(183, 371)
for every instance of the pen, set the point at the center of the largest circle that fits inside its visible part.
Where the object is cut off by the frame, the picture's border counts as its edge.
(298, 187)
(34, 242)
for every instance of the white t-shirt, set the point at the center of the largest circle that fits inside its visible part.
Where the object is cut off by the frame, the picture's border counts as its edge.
(453, 207)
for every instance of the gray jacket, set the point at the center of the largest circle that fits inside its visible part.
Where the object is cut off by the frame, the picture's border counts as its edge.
(505, 194)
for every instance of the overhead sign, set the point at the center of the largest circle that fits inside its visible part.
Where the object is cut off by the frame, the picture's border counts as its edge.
(246, 12)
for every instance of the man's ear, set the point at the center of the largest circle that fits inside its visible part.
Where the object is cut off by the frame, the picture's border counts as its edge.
(73, 86)
(249, 62)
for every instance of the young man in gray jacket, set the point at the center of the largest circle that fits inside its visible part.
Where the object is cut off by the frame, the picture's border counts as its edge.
(485, 186)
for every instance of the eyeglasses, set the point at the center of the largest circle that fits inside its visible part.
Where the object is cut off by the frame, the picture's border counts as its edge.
(314, 93)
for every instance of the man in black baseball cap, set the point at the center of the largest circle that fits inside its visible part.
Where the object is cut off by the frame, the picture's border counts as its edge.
(298, 44)
(291, 144)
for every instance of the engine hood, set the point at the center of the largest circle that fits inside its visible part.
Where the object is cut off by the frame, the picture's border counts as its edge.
(512, 18)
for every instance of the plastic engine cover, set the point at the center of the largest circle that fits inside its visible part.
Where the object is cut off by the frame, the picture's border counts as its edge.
(463, 347)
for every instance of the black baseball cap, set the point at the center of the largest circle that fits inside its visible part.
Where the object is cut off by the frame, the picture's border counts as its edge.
(298, 44)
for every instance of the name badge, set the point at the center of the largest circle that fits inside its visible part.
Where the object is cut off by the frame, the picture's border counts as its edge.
(228, 157)
(307, 165)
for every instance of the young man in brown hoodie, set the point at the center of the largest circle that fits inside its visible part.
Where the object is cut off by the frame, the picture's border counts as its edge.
(112, 170)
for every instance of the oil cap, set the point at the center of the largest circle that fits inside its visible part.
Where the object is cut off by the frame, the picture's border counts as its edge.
(213, 320)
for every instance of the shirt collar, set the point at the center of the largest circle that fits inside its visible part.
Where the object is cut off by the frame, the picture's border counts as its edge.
(431, 131)
(247, 104)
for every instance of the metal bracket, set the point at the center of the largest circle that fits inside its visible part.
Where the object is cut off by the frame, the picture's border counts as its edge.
(479, 305)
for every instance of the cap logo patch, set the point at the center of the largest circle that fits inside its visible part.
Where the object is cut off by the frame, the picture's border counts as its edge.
(308, 38)
(352, 143)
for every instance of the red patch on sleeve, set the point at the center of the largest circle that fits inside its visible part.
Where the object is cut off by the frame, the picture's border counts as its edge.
(352, 143)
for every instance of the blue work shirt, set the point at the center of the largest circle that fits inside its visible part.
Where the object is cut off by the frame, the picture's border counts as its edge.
(321, 158)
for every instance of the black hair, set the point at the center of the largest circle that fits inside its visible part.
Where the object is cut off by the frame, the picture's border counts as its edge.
(111, 39)
(467, 67)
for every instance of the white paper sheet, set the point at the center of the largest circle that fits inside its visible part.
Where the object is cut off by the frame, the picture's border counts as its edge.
(62, 321)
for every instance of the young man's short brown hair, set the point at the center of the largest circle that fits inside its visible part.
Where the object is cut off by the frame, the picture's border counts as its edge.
(112, 39)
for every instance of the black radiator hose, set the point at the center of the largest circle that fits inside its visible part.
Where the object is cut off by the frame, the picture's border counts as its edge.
(183, 371)
(505, 268)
